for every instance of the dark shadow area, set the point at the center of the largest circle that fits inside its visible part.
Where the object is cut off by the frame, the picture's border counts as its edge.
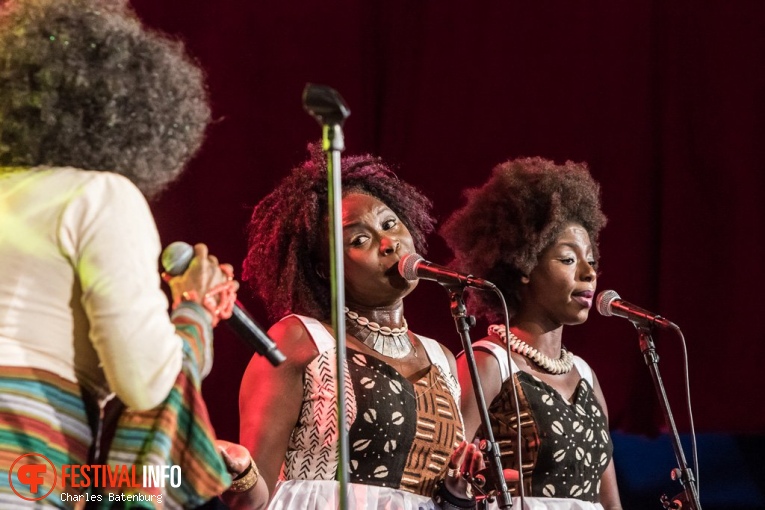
(731, 474)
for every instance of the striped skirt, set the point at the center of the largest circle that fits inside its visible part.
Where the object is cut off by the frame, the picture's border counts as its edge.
(43, 414)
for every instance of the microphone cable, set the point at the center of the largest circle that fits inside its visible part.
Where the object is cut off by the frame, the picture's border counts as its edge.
(519, 435)
(694, 450)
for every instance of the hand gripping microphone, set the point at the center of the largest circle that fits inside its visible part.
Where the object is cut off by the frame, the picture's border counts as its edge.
(609, 303)
(413, 267)
(176, 259)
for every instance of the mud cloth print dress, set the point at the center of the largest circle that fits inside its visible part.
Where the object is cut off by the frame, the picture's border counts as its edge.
(401, 433)
(567, 446)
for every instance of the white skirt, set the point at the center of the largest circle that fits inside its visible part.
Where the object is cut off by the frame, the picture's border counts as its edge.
(551, 504)
(323, 495)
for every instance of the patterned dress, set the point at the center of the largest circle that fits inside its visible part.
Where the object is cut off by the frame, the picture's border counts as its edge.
(401, 433)
(566, 445)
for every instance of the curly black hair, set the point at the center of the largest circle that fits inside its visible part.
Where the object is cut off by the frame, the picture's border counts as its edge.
(83, 84)
(288, 230)
(507, 223)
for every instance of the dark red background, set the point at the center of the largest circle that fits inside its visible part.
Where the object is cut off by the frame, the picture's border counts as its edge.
(665, 100)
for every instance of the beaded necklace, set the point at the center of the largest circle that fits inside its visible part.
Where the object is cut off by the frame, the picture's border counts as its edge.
(562, 365)
(390, 342)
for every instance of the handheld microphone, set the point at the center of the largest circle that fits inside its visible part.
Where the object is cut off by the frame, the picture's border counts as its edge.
(413, 267)
(609, 303)
(176, 259)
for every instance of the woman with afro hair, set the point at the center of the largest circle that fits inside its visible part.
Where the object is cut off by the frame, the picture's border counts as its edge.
(532, 229)
(97, 113)
(405, 429)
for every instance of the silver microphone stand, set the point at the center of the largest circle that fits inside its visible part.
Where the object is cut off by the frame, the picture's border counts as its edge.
(329, 109)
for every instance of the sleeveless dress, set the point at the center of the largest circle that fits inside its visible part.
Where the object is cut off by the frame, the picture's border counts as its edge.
(401, 433)
(567, 446)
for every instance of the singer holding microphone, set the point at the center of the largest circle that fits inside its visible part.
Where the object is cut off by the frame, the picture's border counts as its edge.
(532, 230)
(96, 112)
(406, 437)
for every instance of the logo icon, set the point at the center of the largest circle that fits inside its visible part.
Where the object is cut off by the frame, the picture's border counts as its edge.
(30, 477)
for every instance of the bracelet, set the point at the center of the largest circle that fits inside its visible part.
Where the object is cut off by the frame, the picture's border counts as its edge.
(447, 501)
(246, 480)
(218, 301)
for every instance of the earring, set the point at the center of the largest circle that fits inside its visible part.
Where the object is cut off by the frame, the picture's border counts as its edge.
(321, 274)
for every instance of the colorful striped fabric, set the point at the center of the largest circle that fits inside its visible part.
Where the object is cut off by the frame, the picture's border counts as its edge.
(39, 413)
(177, 432)
(43, 413)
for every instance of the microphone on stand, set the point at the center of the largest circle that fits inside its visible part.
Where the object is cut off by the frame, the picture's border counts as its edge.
(609, 303)
(325, 104)
(176, 259)
(413, 267)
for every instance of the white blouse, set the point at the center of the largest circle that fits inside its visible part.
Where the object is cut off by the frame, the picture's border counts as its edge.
(80, 290)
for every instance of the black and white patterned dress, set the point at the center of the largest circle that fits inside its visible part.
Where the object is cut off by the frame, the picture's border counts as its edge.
(567, 446)
(401, 433)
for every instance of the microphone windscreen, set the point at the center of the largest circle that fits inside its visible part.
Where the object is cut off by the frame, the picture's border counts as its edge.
(177, 257)
(407, 266)
(604, 300)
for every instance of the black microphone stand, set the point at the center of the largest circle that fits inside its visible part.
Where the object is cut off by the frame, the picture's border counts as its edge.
(326, 106)
(685, 475)
(464, 322)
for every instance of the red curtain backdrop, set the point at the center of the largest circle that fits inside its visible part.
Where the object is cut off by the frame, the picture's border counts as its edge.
(664, 100)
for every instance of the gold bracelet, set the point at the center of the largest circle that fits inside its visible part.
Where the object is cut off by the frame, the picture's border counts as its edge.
(246, 480)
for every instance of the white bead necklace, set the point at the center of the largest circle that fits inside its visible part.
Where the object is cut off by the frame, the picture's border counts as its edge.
(390, 342)
(562, 365)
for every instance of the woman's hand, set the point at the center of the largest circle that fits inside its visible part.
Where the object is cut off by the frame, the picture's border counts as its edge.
(248, 490)
(236, 456)
(208, 283)
(464, 464)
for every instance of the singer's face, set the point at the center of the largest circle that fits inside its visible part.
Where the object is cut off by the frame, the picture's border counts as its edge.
(561, 287)
(374, 239)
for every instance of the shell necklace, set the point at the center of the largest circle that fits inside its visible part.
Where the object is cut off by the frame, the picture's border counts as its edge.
(390, 342)
(562, 365)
